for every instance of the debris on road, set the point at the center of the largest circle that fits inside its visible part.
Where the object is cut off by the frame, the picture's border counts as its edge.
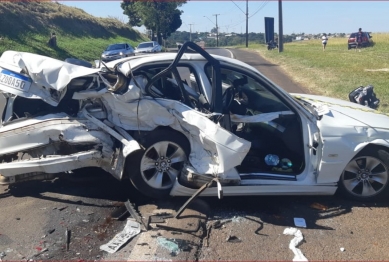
(62, 208)
(156, 219)
(299, 222)
(50, 231)
(196, 194)
(298, 237)
(131, 229)
(119, 213)
(169, 245)
(216, 224)
(40, 252)
(184, 230)
(318, 206)
(131, 209)
(233, 239)
(342, 249)
(67, 238)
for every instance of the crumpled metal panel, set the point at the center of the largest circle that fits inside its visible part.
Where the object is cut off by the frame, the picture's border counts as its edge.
(53, 164)
(46, 73)
(49, 128)
(214, 149)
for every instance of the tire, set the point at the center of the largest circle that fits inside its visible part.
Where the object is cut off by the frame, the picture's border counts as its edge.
(157, 167)
(366, 177)
(348, 47)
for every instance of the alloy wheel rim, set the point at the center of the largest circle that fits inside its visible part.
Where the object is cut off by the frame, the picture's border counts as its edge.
(161, 164)
(365, 176)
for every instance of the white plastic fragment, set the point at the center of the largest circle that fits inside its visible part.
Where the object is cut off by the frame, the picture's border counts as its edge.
(131, 229)
(342, 249)
(298, 237)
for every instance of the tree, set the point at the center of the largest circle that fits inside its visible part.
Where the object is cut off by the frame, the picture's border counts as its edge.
(162, 17)
(129, 9)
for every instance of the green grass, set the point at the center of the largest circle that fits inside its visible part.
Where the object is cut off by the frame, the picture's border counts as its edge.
(26, 27)
(336, 71)
(86, 48)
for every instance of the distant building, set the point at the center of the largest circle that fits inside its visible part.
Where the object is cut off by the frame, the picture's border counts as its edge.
(201, 44)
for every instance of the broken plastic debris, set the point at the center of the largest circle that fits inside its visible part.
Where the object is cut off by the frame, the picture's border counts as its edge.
(131, 229)
(299, 222)
(298, 237)
(318, 206)
(342, 249)
(169, 245)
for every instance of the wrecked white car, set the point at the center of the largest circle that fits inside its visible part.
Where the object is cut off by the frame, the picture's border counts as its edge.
(174, 122)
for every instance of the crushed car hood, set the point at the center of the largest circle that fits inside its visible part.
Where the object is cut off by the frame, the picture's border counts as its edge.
(49, 76)
(347, 113)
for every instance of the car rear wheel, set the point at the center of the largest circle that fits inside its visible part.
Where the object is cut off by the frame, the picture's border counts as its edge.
(348, 47)
(159, 164)
(366, 177)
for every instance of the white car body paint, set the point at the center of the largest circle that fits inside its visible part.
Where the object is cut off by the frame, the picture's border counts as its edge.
(340, 134)
(344, 133)
(214, 149)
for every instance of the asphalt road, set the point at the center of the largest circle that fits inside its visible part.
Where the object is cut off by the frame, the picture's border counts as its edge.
(34, 217)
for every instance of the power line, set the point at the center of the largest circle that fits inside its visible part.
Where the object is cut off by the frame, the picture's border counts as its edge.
(260, 8)
(238, 7)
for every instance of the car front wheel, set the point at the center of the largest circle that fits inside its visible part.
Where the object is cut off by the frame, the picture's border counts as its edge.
(366, 177)
(159, 164)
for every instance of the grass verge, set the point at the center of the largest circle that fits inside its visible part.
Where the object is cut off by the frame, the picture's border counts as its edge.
(26, 26)
(336, 71)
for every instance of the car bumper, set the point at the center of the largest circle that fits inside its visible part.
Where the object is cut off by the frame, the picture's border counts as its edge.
(355, 44)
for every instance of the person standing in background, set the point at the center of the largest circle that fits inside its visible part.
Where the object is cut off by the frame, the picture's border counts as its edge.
(324, 40)
(53, 40)
(358, 40)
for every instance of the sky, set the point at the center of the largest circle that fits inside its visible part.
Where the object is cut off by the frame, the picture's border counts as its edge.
(309, 17)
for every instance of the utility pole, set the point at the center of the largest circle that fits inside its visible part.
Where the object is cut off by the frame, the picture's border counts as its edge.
(247, 23)
(217, 31)
(280, 28)
(190, 36)
(247, 20)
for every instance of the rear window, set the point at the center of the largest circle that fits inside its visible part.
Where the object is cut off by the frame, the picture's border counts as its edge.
(353, 35)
